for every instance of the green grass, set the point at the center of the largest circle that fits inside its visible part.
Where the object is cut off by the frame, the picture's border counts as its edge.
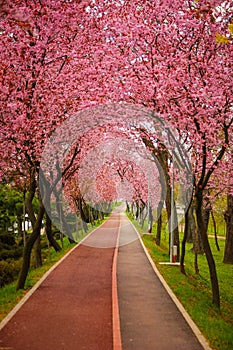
(9, 296)
(194, 291)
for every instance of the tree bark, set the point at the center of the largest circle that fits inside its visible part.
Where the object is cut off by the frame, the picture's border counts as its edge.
(49, 233)
(176, 234)
(19, 226)
(141, 209)
(209, 256)
(175, 231)
(196, 263)
(186, 228)
(36, 224)
(197, 240)
(82, 214)
(206, 216)
(143, 217)
(228, 252)
(150, 219)
(28, 248)
(192, 227)
(162, 180)
(188, 215)
(159, 223)
(37, 253)
(215, 230)
(137, 211)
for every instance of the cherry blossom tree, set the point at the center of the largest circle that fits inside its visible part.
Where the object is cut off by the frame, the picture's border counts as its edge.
(172, 57)
(176, 57)
(35, 41)
(109, 149)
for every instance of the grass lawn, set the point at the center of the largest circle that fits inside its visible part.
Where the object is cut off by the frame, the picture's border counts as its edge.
(194, 291)
(9, 297)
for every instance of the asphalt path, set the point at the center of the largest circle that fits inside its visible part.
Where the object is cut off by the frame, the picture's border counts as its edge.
(104, 295)
(149, 318)
(72, 308)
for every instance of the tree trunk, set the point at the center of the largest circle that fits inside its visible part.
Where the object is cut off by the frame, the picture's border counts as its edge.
(150, 219)
(49, 233)
(192, 227)
(132, 209)
(137, 211)
(141, 216)
(215, 231)
(186, 227)
(209, 256)
(196, 263)
(228, 252)
(176, 234)
(36, 224)
(188, 214)
(159, 223)
(37, 253)
(46, 192)
(64, 227)
(144, 215)
(82, 214)
(19, 226)
(175, 231)
(100, 213)
(206, 216)
(28, 248)
(197, 240)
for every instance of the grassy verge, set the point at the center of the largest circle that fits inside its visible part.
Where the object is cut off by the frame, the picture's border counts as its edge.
(9, 297)
(194, 291)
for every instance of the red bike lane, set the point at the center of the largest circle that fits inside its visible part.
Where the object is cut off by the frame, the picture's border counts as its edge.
(72, 308)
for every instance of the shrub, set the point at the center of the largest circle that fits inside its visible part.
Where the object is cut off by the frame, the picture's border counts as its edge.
(13, 253)
(7, 238)
(9, 270)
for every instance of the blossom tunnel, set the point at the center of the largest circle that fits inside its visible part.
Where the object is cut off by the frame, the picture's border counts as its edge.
(112, 153)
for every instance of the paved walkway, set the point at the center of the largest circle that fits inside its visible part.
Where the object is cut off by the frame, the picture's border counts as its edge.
(149, 318)
(73, 307)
